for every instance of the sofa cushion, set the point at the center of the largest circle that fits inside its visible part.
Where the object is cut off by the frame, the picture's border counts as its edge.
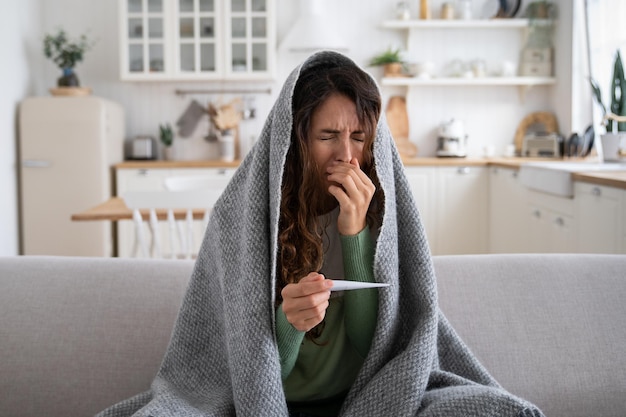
(549, 328)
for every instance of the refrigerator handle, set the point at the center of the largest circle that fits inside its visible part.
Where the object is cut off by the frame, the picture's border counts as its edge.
(36, 163)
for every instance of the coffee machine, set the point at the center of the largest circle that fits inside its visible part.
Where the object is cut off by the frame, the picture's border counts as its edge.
(452, 140)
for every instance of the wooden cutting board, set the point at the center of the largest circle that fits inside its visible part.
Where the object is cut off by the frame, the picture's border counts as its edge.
(398, 121)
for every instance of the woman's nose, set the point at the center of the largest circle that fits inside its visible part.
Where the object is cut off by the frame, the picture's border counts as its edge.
(344, 151)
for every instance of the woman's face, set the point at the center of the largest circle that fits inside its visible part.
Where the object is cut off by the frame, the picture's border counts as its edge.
(335, 134)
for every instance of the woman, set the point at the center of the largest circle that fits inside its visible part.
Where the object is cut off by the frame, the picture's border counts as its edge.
(322, 195)
(328, 185)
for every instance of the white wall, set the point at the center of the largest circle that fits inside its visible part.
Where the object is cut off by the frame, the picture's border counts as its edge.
(19, 31)
(491, 114)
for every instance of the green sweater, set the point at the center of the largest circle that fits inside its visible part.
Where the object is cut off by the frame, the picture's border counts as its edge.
(318, 374)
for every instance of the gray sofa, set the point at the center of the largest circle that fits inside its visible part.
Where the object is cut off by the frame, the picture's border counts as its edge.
(79, 334)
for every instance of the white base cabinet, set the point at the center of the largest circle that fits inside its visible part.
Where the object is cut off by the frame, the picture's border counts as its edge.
(422, 182)
(128, 179)
(508, 202)
(551, 224)
(464, 209)
(602, 214)
(453, 202)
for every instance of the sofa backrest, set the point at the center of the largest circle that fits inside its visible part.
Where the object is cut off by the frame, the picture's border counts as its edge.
(550, 328)
(80, 334)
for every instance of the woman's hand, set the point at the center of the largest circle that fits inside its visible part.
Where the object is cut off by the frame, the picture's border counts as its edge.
(354, 195)
(305, 303)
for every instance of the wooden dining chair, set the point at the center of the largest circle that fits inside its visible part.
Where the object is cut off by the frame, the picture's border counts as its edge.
(180, 213)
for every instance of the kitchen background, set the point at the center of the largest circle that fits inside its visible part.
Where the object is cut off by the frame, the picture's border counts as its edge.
(491, 114)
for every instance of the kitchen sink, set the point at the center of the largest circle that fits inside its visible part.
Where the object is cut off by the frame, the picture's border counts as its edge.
(556, 177)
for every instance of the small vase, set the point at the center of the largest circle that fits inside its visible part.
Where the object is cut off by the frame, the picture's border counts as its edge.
(169, 153)
(68, 79)
(393, 69)
(424, 10)
(612, 145)
(227, 145)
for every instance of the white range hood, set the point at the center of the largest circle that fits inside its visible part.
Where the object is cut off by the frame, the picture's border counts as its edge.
(313, 31)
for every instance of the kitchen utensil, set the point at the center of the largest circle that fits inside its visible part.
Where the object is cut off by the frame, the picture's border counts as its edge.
(573, 145)
(465, 9)
(588, 138)
(512, 7)
(424, 10)
(143, 147)
(447, 11)
(403, 11)
(502, 9)
(190, 118)
(211, 134)
(452, 140)
(538, 122)
(398, 121)
(490, 9)
(591, 143)
(541, 144)
(226, 116)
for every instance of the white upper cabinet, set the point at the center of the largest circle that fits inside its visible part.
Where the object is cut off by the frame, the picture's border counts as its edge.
(197, 39)
(144, 39)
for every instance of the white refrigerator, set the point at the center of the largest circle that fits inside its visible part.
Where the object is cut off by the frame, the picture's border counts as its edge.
(67, 149)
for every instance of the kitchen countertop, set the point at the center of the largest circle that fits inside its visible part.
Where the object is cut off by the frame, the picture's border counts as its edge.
(426, 161)
(615, 179)
(137, 164)
(608, 178)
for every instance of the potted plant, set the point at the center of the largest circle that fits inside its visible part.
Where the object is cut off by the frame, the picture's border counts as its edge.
(166, 135)
(614, 116)
(66, 53)
(391, 61)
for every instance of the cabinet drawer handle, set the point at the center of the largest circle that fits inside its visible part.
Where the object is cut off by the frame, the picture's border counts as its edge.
(36, 163)
(463, 170)
(559, 221)
(597, 191)
(142, 172)
(515, 174)
(537, 214)
(221, 171)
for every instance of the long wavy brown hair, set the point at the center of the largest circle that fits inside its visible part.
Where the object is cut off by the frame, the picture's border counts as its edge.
(299, 237)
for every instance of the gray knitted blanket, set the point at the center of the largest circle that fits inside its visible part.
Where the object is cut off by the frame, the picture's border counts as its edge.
(223, 359)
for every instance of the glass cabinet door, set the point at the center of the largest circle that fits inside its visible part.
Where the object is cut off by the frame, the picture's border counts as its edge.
(197, 39)
(249, 38)
(197, 30)
(145, 25)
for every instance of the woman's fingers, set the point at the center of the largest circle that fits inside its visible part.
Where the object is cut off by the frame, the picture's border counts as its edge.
(305, 303)
(354, 195)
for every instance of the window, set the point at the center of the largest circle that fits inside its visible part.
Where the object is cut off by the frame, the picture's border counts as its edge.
(607, 33)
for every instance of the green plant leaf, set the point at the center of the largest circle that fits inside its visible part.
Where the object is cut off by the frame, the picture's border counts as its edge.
(64, 52)
(597, 94)
(166, 134)
(621, 126)
(388, 57)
